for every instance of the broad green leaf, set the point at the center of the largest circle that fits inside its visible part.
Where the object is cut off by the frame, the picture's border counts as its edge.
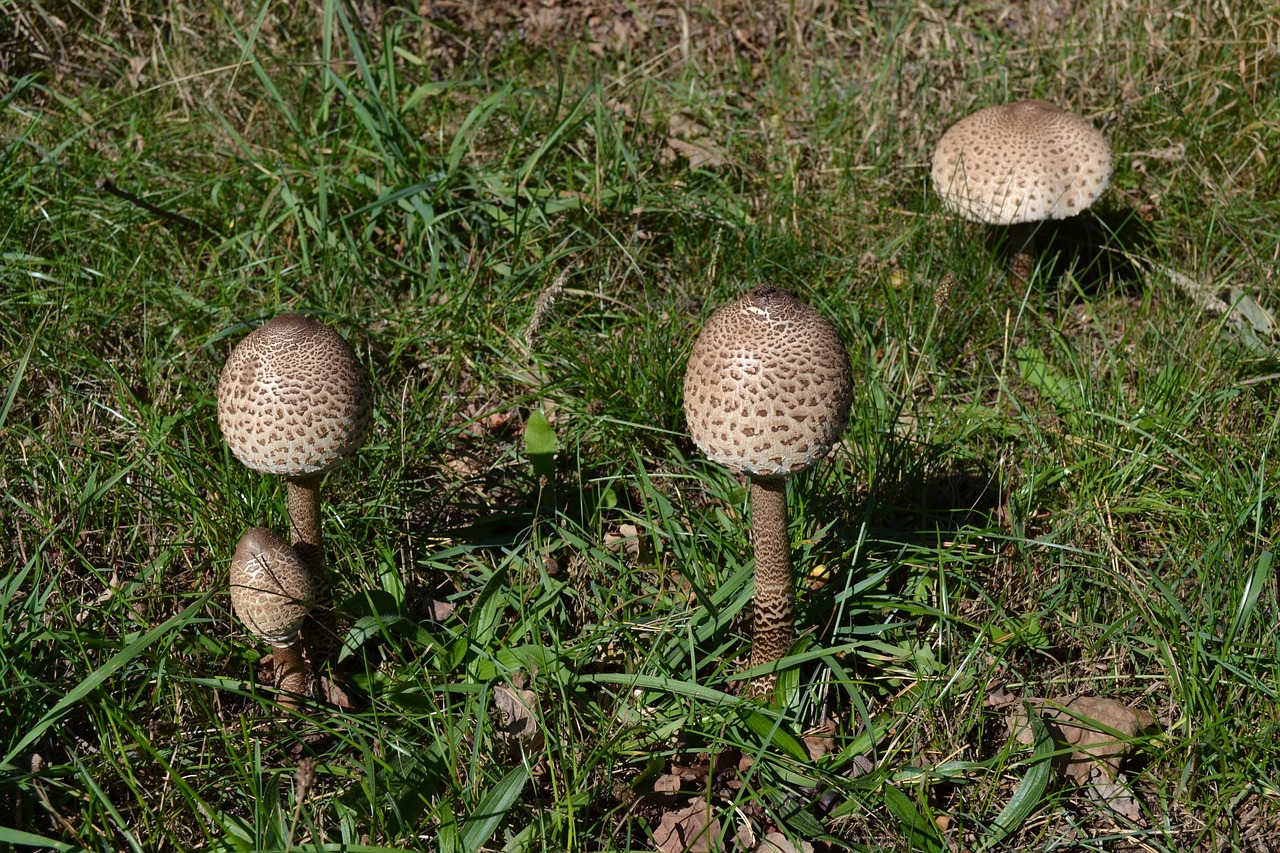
(772, 732)
(541, 444)
(479, 828)
(1036, 371)
(1030, 790)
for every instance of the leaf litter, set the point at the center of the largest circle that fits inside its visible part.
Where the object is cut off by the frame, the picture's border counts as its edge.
(1099, 733)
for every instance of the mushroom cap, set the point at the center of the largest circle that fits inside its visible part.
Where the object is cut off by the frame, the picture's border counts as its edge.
(768, 386)
(271, 590)
(1021, 162)
(293, 399)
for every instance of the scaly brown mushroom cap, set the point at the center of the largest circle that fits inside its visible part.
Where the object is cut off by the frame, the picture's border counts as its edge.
(768, 386)
(1021, 162)
(293, 399)
(271, 590)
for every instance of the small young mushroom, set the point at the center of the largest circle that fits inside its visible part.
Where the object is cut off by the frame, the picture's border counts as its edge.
(294, 400)
(767, 393)
(272, 593)
(1020, 164)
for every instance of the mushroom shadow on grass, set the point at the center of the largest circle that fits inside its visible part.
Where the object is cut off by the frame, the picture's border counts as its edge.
(767, 392)
(921, 505)
(1097, 249)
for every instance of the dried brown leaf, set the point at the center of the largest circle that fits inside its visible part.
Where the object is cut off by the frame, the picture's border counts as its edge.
(666, 783)
(698, 772)
(1117, 797)
(690, 830)
(437, 610)
(776, 842)
(627, 538)
(820, 741)
(515, 707)
(701, 152)
(1100, 730)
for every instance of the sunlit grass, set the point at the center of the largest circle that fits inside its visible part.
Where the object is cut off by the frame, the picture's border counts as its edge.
(1042, 493)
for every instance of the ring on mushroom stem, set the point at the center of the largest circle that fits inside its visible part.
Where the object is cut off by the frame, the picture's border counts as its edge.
(1017, 165)
(767, 392)
(272, 593)
(294, 400)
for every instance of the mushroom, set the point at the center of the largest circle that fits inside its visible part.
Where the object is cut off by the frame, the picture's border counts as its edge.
(767, 393)
(294, 400)
(1017, 165)
(272, 593)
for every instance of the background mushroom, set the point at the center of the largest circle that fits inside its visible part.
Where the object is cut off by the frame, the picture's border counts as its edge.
(1017, 165)
(767, 393)
(272, 593)
(294, 400)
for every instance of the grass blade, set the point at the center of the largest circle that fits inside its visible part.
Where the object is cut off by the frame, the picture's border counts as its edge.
(19, 838)
(484, 820)
(921, 833)
(1030, 790)
(19, 371)
(95, 678)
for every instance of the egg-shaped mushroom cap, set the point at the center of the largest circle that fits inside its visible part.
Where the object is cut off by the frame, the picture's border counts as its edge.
(1021, 162)
(293, 399)
(768, 386)
(271, 590)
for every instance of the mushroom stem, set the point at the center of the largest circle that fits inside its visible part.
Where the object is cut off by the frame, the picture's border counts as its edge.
(774, 622)
(291, 674)
(1022, 252)
(319, 633)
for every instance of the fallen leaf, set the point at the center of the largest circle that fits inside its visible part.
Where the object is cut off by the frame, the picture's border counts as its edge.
(701, 153)
(820, 741)
(698, 771)
(690, 830)
(1100, 730)
(515, 707)
(1117, 797)
(666, 783)
(627, 538)
(436, 610)
(776, 842)
(691, 139)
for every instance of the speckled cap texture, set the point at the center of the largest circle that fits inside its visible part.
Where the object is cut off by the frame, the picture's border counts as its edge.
(1021, 162)
(271, 590)
(768, 386)
(293, 399)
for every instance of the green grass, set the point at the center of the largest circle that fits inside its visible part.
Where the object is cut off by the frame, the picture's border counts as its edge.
(1042, 494)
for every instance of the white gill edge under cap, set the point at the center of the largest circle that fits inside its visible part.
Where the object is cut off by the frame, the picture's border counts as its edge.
(1021, 162)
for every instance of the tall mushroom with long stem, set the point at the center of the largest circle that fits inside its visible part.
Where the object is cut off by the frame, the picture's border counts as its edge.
(272, 593)
(1017, 165)
(767, 392)
(294, 400)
